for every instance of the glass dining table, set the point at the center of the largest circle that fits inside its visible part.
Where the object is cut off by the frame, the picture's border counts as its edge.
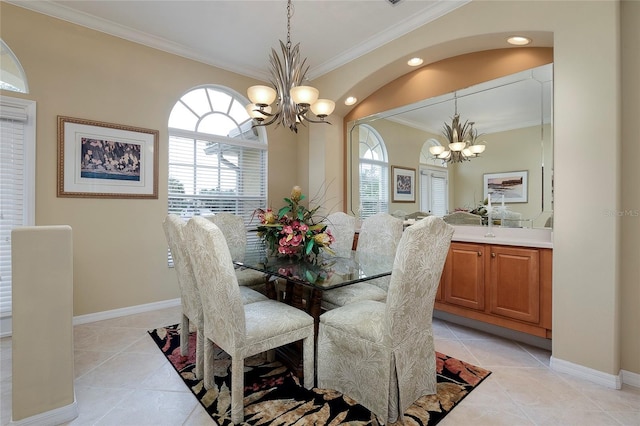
(301, 283)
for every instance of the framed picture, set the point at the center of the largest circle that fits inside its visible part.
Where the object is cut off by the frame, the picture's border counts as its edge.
(510, 187)
(105, 160)
(403, 185)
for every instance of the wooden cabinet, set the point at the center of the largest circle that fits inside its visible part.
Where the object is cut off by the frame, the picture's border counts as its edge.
(507, 286)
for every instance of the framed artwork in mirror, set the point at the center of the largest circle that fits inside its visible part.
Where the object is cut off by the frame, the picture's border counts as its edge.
(403, 185)
(507, 187)
(106, 160)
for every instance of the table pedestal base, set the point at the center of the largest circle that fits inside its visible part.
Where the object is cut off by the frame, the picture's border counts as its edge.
(291, 355)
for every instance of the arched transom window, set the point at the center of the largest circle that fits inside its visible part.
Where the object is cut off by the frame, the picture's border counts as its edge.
(217, 161)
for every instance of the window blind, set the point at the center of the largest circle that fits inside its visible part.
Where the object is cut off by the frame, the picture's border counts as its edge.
(434, 196)
(16, 183)
(217, 174)
(374, 189)
(438, 194)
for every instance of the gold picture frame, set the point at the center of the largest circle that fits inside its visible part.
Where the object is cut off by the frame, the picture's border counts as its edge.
(106, 160)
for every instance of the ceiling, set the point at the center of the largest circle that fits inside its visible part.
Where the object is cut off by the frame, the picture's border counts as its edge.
(237, 35)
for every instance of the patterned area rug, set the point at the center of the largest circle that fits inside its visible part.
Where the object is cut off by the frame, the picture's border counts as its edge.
(273, 396)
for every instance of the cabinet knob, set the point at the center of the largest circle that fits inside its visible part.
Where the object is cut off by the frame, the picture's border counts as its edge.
(493, 255)
(479, 253)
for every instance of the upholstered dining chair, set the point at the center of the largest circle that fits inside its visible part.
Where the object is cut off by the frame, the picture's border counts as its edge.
(235, 233)
(240, 330)
(463, 218)
(343, 229)
(379, 233)
(382, 354)
(417, 215)
(189, 293)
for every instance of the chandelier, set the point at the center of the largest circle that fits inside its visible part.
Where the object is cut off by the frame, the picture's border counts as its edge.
(462, 141)
(294, 101)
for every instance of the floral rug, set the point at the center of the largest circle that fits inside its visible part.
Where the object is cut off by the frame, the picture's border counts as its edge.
(273, 396)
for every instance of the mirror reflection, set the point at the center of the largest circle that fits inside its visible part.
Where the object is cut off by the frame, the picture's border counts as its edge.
(391, 167)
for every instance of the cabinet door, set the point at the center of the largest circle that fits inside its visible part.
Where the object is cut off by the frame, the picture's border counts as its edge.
(464, 276)
(514, 283)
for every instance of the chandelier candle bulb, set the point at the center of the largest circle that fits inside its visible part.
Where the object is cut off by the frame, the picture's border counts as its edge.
(304, 95)
(436, 150)
(261, 95)
(258, 113)
(457, 146)
(323, 107)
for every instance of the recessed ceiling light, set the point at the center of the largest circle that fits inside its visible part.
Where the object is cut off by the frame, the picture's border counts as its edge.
(414, 62)
(519, 40)
(350, 100)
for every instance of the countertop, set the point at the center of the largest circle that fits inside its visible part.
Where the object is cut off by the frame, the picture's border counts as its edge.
(526, 237)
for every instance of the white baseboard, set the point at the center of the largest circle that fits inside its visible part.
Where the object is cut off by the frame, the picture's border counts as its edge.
(53, 417)
(115, 313)
(631, 379)
(609, 380)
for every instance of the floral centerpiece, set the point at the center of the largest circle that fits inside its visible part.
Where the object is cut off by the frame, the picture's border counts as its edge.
(294, 231)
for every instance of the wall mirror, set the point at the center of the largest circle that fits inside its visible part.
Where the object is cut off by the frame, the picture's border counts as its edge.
(513, 117)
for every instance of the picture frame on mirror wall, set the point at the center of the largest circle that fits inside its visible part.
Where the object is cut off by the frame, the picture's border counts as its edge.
(510, 187)
(106, 160)
(403, 184)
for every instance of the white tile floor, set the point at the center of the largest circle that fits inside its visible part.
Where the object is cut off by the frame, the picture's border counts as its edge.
(122, 379)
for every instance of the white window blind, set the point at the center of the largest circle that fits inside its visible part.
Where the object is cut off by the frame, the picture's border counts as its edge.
(374, 189)
(208, 177)
(374, 172)
(17, 182)
(434, 196)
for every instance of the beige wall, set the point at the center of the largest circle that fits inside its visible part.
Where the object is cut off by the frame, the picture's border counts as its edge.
(119, 246)
(630, 200)
(591, 327)
(513, 150)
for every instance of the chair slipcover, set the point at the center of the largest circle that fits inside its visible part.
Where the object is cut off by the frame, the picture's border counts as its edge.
(240, 330)
(417, 215)
(379, 233)
(463, 218)
(189, 292)
(382, 354)
(343, 229)
(235, 233)
(508, 218)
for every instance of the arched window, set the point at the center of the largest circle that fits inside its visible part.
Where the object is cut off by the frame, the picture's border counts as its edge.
(374, 172)
(217, 161)
(12, 76)
(434, 195)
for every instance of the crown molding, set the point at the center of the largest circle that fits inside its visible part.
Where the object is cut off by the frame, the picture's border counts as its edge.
(73, 16)
(437, 10)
